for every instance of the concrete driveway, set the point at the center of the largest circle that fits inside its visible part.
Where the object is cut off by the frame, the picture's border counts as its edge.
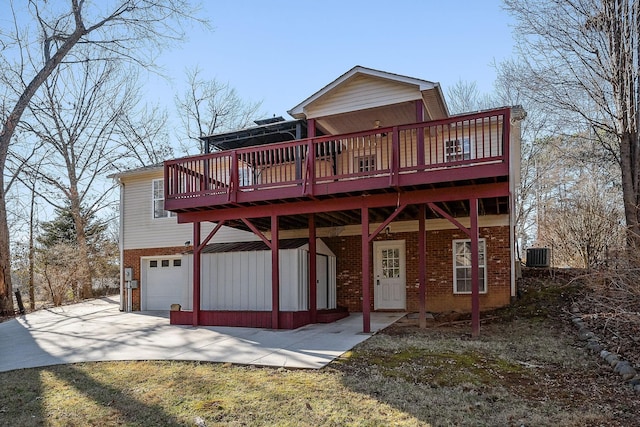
(97, 331)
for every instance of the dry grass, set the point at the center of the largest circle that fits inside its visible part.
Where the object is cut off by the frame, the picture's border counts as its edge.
(526, 369)
(183, 393)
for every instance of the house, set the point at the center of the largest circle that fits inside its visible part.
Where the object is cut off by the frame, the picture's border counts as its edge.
(413, 205)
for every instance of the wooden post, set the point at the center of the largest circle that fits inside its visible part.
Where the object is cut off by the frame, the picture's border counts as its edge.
(422, 261)
(475, 269)
(19, 300)
(366, 303)
(420, 134)
(275, 273)
(196, 273)
(313, 275)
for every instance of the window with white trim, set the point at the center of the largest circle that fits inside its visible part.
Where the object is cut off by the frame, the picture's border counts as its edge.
(462, 266)
(365, 163)
(457, 149)
(158, 200)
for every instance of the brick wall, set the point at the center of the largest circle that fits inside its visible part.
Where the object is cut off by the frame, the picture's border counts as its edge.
(439, 253)
(132, 259)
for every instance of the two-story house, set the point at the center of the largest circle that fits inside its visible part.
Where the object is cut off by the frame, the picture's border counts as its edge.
(373, 197)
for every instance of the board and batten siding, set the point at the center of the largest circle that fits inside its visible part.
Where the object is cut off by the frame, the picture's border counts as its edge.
(142, 230)
(360, 93)
(242, 280)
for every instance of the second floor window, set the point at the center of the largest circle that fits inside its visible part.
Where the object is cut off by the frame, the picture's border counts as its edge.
(365, 163)
(457, 149)
(158, 200)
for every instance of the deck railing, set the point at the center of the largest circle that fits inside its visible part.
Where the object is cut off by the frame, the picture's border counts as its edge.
(460, 147)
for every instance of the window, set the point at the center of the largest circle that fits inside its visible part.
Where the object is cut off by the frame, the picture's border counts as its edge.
(391, 263)
(462, 266)
(457, 149)
(165, 263)
(153, 264)
(365, 163)
(158, 200)
(177, 262)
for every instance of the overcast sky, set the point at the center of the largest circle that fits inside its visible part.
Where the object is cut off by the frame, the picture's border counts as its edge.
(280, 52)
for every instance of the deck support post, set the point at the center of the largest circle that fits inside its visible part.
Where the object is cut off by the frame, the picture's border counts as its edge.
(197, 252)
(313, 276)
(475, 268)
(422, 262)
(366, 299)
(275, 273)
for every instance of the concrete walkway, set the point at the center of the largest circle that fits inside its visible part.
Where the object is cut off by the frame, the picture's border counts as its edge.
(97, 331)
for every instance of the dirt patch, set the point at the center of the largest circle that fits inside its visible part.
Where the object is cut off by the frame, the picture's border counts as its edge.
(527, 368)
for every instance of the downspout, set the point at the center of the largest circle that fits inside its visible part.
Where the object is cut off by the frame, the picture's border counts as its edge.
(121, 245)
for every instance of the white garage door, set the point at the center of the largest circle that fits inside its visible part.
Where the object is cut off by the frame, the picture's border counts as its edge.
(163, 282)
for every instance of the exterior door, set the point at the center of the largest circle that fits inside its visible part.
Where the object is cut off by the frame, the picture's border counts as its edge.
(389, 275)
(322, 288)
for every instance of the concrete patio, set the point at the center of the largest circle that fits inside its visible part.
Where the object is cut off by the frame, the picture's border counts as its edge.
(96, 330)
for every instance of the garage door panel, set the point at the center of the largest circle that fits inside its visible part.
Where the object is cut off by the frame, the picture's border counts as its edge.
(164, 283)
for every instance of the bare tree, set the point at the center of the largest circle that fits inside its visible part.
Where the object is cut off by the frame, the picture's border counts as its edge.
(464, 97)
(34, 41)
(582, 224)
(578, 59)
(144, 137)
(60, 268)
(77, 115)
(209, 107)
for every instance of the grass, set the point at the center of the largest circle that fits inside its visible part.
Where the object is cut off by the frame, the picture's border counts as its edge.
(522, 371)
(185, 393)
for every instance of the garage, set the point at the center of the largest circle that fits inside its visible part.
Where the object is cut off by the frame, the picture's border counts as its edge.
(163, 282)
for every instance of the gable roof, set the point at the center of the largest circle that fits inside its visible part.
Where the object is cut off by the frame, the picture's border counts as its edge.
(137, 171)
(421, 88)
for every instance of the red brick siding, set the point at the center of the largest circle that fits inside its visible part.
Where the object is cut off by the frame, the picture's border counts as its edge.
(132, 259)
(440, 296)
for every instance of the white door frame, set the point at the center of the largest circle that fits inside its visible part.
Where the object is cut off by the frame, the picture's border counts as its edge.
(378, 281)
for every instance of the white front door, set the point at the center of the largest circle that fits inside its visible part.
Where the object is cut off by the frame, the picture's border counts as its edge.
(389, 275)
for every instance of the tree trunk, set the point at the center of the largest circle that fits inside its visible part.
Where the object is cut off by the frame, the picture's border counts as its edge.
(32, 250)
(85, 265)
(6, 286)
(630, 190)
(86, 290)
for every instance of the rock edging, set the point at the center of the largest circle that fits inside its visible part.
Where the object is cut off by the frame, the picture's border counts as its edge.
(620, 366)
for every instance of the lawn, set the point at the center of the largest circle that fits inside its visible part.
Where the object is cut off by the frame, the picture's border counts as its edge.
(528, 370)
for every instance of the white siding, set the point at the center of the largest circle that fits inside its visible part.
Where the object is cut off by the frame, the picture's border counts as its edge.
(141, 230)
(242, 280)
(360, 93)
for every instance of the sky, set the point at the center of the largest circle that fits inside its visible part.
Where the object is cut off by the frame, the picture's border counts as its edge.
(281, 52)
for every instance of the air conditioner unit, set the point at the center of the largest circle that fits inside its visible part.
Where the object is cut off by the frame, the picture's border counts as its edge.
(538, 257)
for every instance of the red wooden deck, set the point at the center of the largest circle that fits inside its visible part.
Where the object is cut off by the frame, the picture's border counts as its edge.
(401, 158)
